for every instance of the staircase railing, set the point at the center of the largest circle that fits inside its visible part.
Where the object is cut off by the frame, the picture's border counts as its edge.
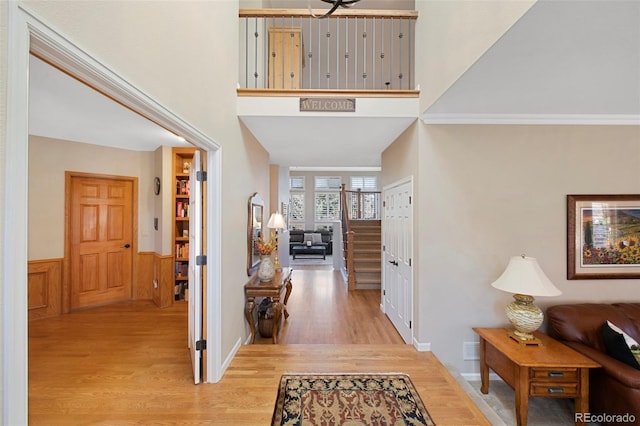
(354, 49)
(347, 241)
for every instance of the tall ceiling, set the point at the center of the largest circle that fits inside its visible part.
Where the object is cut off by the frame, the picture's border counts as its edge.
(563, 57)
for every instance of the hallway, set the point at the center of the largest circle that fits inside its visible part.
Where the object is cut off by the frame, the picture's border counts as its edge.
(324, 312)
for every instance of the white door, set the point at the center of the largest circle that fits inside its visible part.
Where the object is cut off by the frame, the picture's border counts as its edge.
(195, 269)
(397, 240)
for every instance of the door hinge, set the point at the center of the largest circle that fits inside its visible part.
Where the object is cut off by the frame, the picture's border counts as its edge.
(409, 262)
(384, 247)
(410, 324)
(384, 292)
(201, 345)
(201, 176)
(409, 199)
(201, 260)
(384, 204)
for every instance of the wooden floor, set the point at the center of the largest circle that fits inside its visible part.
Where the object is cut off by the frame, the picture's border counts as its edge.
(128, 363)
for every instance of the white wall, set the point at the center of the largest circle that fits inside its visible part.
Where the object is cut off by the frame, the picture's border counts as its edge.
(491, 192)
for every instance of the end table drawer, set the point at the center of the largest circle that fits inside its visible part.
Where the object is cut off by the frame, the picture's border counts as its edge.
(555, 374)
(561, 390)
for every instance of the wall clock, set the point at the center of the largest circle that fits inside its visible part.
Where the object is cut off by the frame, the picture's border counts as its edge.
(156, 186)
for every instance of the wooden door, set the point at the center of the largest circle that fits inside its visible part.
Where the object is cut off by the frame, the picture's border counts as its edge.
(397, 264)
(100, 240)
(285, 58)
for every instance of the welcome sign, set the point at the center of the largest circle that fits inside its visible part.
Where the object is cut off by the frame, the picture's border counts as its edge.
(328, 104)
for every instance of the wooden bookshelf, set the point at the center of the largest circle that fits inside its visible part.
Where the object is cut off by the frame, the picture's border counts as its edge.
(182, 158)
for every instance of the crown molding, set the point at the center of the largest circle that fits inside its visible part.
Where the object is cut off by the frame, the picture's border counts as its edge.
(534, 119)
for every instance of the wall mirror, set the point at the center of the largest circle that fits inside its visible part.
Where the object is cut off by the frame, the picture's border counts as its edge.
(255, 227)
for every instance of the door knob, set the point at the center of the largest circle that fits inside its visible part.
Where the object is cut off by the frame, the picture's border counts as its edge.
(127, 245)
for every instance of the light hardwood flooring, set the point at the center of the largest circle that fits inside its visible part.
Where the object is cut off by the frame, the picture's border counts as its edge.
(128, 363)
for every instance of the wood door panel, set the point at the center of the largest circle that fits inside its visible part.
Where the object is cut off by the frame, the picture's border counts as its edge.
(101, 236)
(88, 223)
(115, 270)
(88, 273)
(116, 223)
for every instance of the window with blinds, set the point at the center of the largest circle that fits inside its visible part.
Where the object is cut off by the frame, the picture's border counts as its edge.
(364, 183)
(296, 183)
(328, 183)
(296, 207)
(327, 206)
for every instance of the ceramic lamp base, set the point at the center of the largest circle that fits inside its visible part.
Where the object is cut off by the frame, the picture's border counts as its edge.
(525, 318)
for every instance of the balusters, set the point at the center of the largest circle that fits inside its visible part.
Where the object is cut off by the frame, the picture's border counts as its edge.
(341, 52)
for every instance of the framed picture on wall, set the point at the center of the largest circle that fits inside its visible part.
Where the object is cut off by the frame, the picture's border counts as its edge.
(603, 236)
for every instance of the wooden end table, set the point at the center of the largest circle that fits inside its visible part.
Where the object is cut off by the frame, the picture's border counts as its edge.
(552, 370)
(281, 282)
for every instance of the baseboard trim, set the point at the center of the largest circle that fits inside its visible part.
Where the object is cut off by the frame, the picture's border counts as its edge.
(422, 347)
(232, 354)
(475, 377)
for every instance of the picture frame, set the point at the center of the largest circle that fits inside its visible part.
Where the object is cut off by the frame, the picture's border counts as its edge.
(603, 236)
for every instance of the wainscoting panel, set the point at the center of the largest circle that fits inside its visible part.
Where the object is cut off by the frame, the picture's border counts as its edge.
(143, 282)
(164, 274)
(44, 288)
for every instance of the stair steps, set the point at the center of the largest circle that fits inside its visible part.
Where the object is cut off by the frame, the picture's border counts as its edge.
(367, 254)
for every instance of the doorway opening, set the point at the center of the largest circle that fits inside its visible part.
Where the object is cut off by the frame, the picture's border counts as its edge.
(26, 34)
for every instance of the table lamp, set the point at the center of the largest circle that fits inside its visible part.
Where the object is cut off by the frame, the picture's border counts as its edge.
(524, 278)
(276, 222)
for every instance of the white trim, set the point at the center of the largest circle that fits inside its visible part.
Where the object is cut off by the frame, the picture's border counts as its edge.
(215, 367)
(14, 409)
(422, 347)
(234, 351)
(475, 377)
(534, 119)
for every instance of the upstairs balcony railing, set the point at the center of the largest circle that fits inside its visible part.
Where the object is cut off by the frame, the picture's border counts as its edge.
(353, 49)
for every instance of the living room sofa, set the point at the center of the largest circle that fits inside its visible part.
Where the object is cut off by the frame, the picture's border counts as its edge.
(614, 389)
(296, 238)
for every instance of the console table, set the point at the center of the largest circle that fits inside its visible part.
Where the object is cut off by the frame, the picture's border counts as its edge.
(280, 283)
(552, 370)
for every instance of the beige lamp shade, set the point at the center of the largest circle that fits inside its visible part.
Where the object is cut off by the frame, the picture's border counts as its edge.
(523, 275)
(276, 221)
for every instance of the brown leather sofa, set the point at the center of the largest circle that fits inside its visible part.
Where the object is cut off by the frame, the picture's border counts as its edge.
(614, 389)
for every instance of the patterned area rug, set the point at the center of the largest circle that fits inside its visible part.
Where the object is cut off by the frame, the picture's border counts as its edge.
(348, 399)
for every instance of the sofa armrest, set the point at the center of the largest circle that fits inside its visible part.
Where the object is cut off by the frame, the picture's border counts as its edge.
(623, 373)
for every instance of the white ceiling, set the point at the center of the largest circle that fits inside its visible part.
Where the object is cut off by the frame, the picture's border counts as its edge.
(60, 107)
(562, 58)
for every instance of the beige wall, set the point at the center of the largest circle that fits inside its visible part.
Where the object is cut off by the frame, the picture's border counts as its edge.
(48, 161)
(486, 193)
(454, 34)
(3, 142)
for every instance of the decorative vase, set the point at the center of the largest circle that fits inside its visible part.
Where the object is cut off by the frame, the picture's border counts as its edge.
(266, 269)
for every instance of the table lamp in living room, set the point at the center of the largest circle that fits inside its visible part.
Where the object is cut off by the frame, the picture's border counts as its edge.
(525, 279)
(276, 223)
